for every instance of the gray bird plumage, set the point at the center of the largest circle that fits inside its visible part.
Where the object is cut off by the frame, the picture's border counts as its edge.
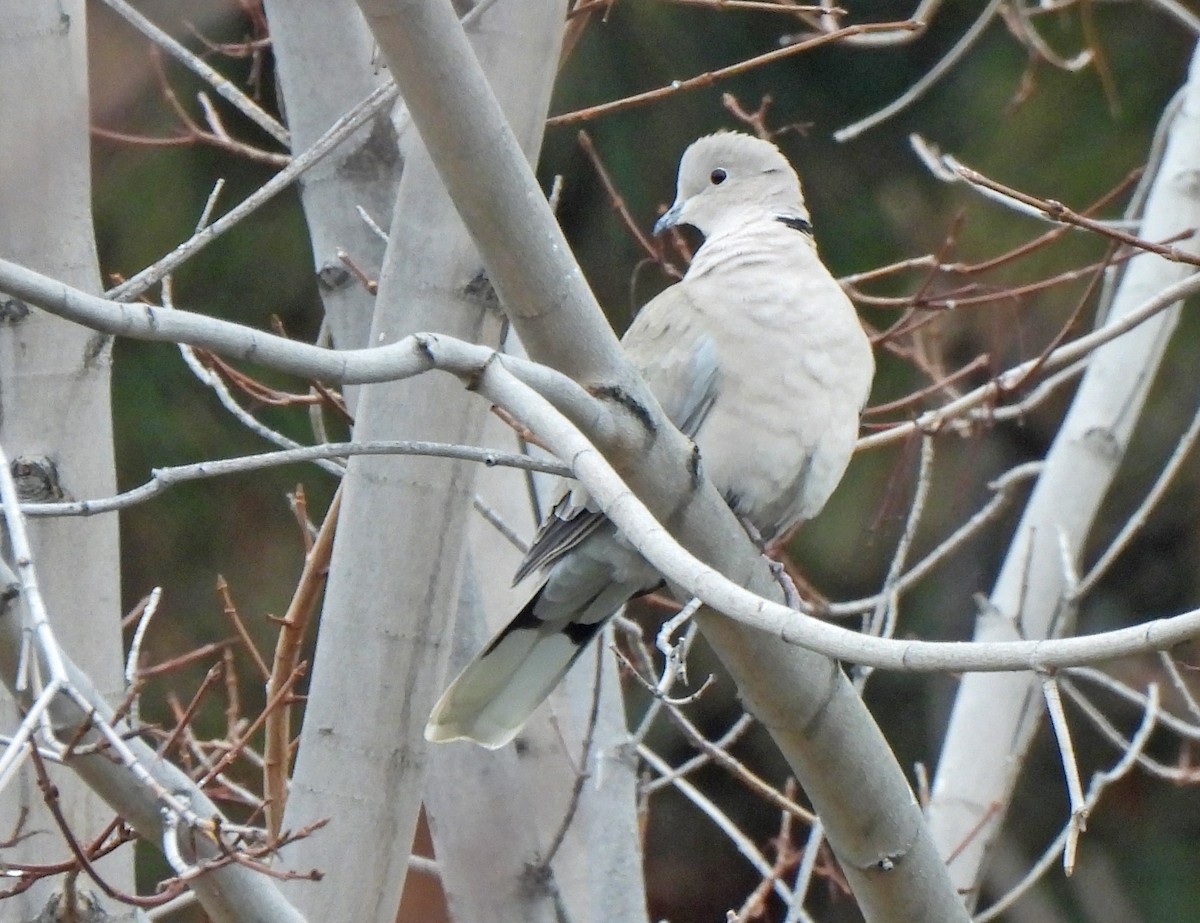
(756, 354)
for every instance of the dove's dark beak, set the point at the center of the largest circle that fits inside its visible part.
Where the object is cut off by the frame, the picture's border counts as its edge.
(669, 219)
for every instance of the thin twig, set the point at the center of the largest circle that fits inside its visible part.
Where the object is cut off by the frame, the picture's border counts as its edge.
(712, 77)
(1100, 781)
(149, 608)
(342, 129)
(617, 202)
(1134, 524)
(1005, 492)
(1058, 212)
(163, 478)
(274, 702)
(293, 628)
(1066, 751)
(882, 621)
(740, 841)
(239, 627)
(227, 90)
(497, 522)
(786, 858)
(804, 874)
(585, 758)
(932, 76)
(1181, 686)
(184, 716)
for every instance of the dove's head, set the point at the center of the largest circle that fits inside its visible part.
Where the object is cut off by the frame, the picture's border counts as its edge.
(733, 177)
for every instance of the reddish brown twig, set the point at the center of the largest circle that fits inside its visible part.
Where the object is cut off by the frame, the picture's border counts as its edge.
(239, 626)
(979, 363)
(192, 132)
(183, 717)
(1066, 329)
(201, 653)
(293, 626)
(1057, 211)
(236, 747)
(787, 859)
(711, 77)
(267, 395)
(524, 433)
(50, 797)
(617, 202)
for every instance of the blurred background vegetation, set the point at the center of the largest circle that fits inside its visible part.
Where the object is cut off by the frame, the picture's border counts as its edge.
(1061, 135)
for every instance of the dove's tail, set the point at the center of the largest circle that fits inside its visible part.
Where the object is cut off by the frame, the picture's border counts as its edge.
(494, 696)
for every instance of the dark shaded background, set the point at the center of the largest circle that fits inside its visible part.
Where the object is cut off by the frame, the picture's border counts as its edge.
(872, 203)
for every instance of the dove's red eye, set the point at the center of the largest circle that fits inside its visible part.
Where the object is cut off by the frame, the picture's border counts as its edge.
(718, 176)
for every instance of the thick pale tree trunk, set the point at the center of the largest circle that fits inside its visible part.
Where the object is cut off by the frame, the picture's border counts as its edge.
(325, 59)
(398, 560)
(55, 421)
(526, 792)
(996, 714)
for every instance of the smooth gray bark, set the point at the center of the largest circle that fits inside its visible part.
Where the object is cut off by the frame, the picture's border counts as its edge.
(324, 59)
(398, 560)
(55, 419)
(597, 872)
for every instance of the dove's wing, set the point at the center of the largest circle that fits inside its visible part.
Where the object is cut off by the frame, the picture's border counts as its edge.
(679, 363)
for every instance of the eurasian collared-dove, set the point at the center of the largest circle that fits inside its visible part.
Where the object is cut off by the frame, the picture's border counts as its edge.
(758, 355)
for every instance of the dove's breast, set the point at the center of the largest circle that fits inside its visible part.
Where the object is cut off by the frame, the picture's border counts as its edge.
(795, 368)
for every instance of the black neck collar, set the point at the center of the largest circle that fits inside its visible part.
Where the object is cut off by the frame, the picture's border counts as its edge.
(796, 224)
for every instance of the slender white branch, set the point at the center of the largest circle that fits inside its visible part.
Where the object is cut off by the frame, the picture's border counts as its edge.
(149, 608)
(804, 874)
(741, 842)
(1177, 774)
(210, 204)
(371, 223)
(16, 751)
(923, 14)
(1027, 32)
(922, 86)
(508, 384)
(161, 479)
(1109, 683)
(406, 357)
(409, 356)
(986, 395)
(497, 522)
(1180, 686)
(38, 619)
(882, 621)
(226, 89)
(342, 129)
(1066, 750)
(1137, 521)
(1100, 781)
(668, 628)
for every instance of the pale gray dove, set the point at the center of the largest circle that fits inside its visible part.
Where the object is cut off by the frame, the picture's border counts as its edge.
(758, 355)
